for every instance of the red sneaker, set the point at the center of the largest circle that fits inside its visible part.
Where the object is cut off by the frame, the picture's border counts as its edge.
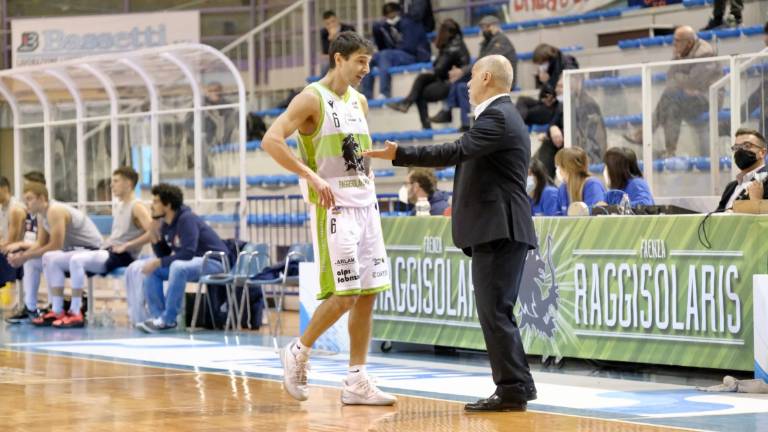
(48, 318)
(70, 321)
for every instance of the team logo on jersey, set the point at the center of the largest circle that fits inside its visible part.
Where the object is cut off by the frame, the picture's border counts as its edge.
(350, 151)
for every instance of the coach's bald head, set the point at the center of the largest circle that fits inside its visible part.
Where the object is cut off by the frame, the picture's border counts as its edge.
(491, 75)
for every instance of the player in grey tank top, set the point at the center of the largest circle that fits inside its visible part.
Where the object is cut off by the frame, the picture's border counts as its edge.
(76, 249)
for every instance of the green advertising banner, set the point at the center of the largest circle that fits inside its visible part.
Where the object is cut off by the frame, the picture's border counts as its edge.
(641, 289)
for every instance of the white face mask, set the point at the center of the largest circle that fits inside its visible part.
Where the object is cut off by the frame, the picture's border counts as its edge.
(402, 194)
(530, 185)
(560, 98)
(543, 67)
(606, 178)
(393, 21)
(559, 175)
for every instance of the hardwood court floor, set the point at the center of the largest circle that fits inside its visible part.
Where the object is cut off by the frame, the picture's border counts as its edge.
(40, 392)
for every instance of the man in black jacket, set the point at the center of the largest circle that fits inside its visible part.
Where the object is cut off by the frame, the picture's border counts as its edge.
(494, 42)
(411, 46)
(332, 26)
(749, 150)
(491, 220)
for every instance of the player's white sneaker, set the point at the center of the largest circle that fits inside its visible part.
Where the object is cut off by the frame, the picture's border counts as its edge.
(295, 369)
(362, 390)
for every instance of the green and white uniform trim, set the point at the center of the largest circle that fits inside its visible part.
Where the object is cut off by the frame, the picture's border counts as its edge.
(334, 150)
(349, 244)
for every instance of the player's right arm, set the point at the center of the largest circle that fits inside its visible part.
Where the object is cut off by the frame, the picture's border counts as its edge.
(303, 113)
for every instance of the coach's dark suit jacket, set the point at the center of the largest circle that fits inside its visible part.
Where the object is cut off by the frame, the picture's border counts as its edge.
(489, 198)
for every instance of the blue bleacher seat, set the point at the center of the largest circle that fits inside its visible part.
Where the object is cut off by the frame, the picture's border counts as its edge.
(752, 30)
(725, 163)
(727, 33)
(103, 223)
(471, 31)
(696, 3)
(384, 173)
(706, 35)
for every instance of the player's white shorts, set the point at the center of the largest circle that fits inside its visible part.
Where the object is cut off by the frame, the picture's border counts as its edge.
(349, 250)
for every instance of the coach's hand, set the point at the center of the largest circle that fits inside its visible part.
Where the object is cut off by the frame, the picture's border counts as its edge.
(323, 189)
(387, 153)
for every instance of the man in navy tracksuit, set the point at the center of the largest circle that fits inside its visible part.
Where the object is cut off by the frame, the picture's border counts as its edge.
(183, 240)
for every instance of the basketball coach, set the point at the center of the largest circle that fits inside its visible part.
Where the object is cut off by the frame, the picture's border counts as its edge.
(491, 220)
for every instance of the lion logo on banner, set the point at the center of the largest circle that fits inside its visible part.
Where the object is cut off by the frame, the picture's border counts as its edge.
(537, 312)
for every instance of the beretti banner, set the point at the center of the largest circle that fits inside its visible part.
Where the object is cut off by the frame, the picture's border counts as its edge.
(48, 40)
(521, 10)
(640, 289)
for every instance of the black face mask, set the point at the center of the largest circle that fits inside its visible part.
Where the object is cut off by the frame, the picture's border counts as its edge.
(487, 35)
(744, 158)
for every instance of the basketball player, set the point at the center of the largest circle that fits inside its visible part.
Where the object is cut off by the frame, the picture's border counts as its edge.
(330, 117)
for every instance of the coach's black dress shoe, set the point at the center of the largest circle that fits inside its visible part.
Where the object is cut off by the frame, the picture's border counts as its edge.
(496, 403)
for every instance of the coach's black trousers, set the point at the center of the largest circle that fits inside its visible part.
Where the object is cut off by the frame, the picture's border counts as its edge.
(497, 269)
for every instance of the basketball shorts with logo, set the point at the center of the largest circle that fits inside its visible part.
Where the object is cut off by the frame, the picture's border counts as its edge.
(349, 250)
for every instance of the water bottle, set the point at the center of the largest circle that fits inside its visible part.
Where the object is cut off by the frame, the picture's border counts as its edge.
(625, 206)
(422, 207)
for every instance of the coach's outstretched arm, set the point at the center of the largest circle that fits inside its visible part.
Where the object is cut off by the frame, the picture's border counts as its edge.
(302, 113)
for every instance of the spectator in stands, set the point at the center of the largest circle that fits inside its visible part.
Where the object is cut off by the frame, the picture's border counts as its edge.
(220, 126)
(184, 239)
(575, 182)
(422, 183)
(412, 47)
(386, 35)
(64, 229)
(30, 280)
(331, 28)
(541, 190)
(686, 96)
(434, 86)
(622, 173)
(494, 42)
(131, 223)
(12, 215)
(718, 11)
(420, 12)
(551, 63)
(587, 125)
(749, 150)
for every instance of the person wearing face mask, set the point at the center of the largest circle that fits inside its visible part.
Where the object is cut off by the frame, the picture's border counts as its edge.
(541, 190)
(494, 41)
(686, 96)
(749, 150)
(575, 182)
(621, 173)
(587, 125)
(551, 63)
(401, 40)
(422, 183)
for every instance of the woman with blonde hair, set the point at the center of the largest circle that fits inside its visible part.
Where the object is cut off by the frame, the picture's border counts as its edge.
(571, 169)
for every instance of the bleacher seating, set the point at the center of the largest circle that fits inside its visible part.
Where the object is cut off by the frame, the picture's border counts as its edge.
(724, 33)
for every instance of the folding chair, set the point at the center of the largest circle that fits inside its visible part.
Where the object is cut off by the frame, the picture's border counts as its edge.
(225, 279)
(296, 252)
(258, 259)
